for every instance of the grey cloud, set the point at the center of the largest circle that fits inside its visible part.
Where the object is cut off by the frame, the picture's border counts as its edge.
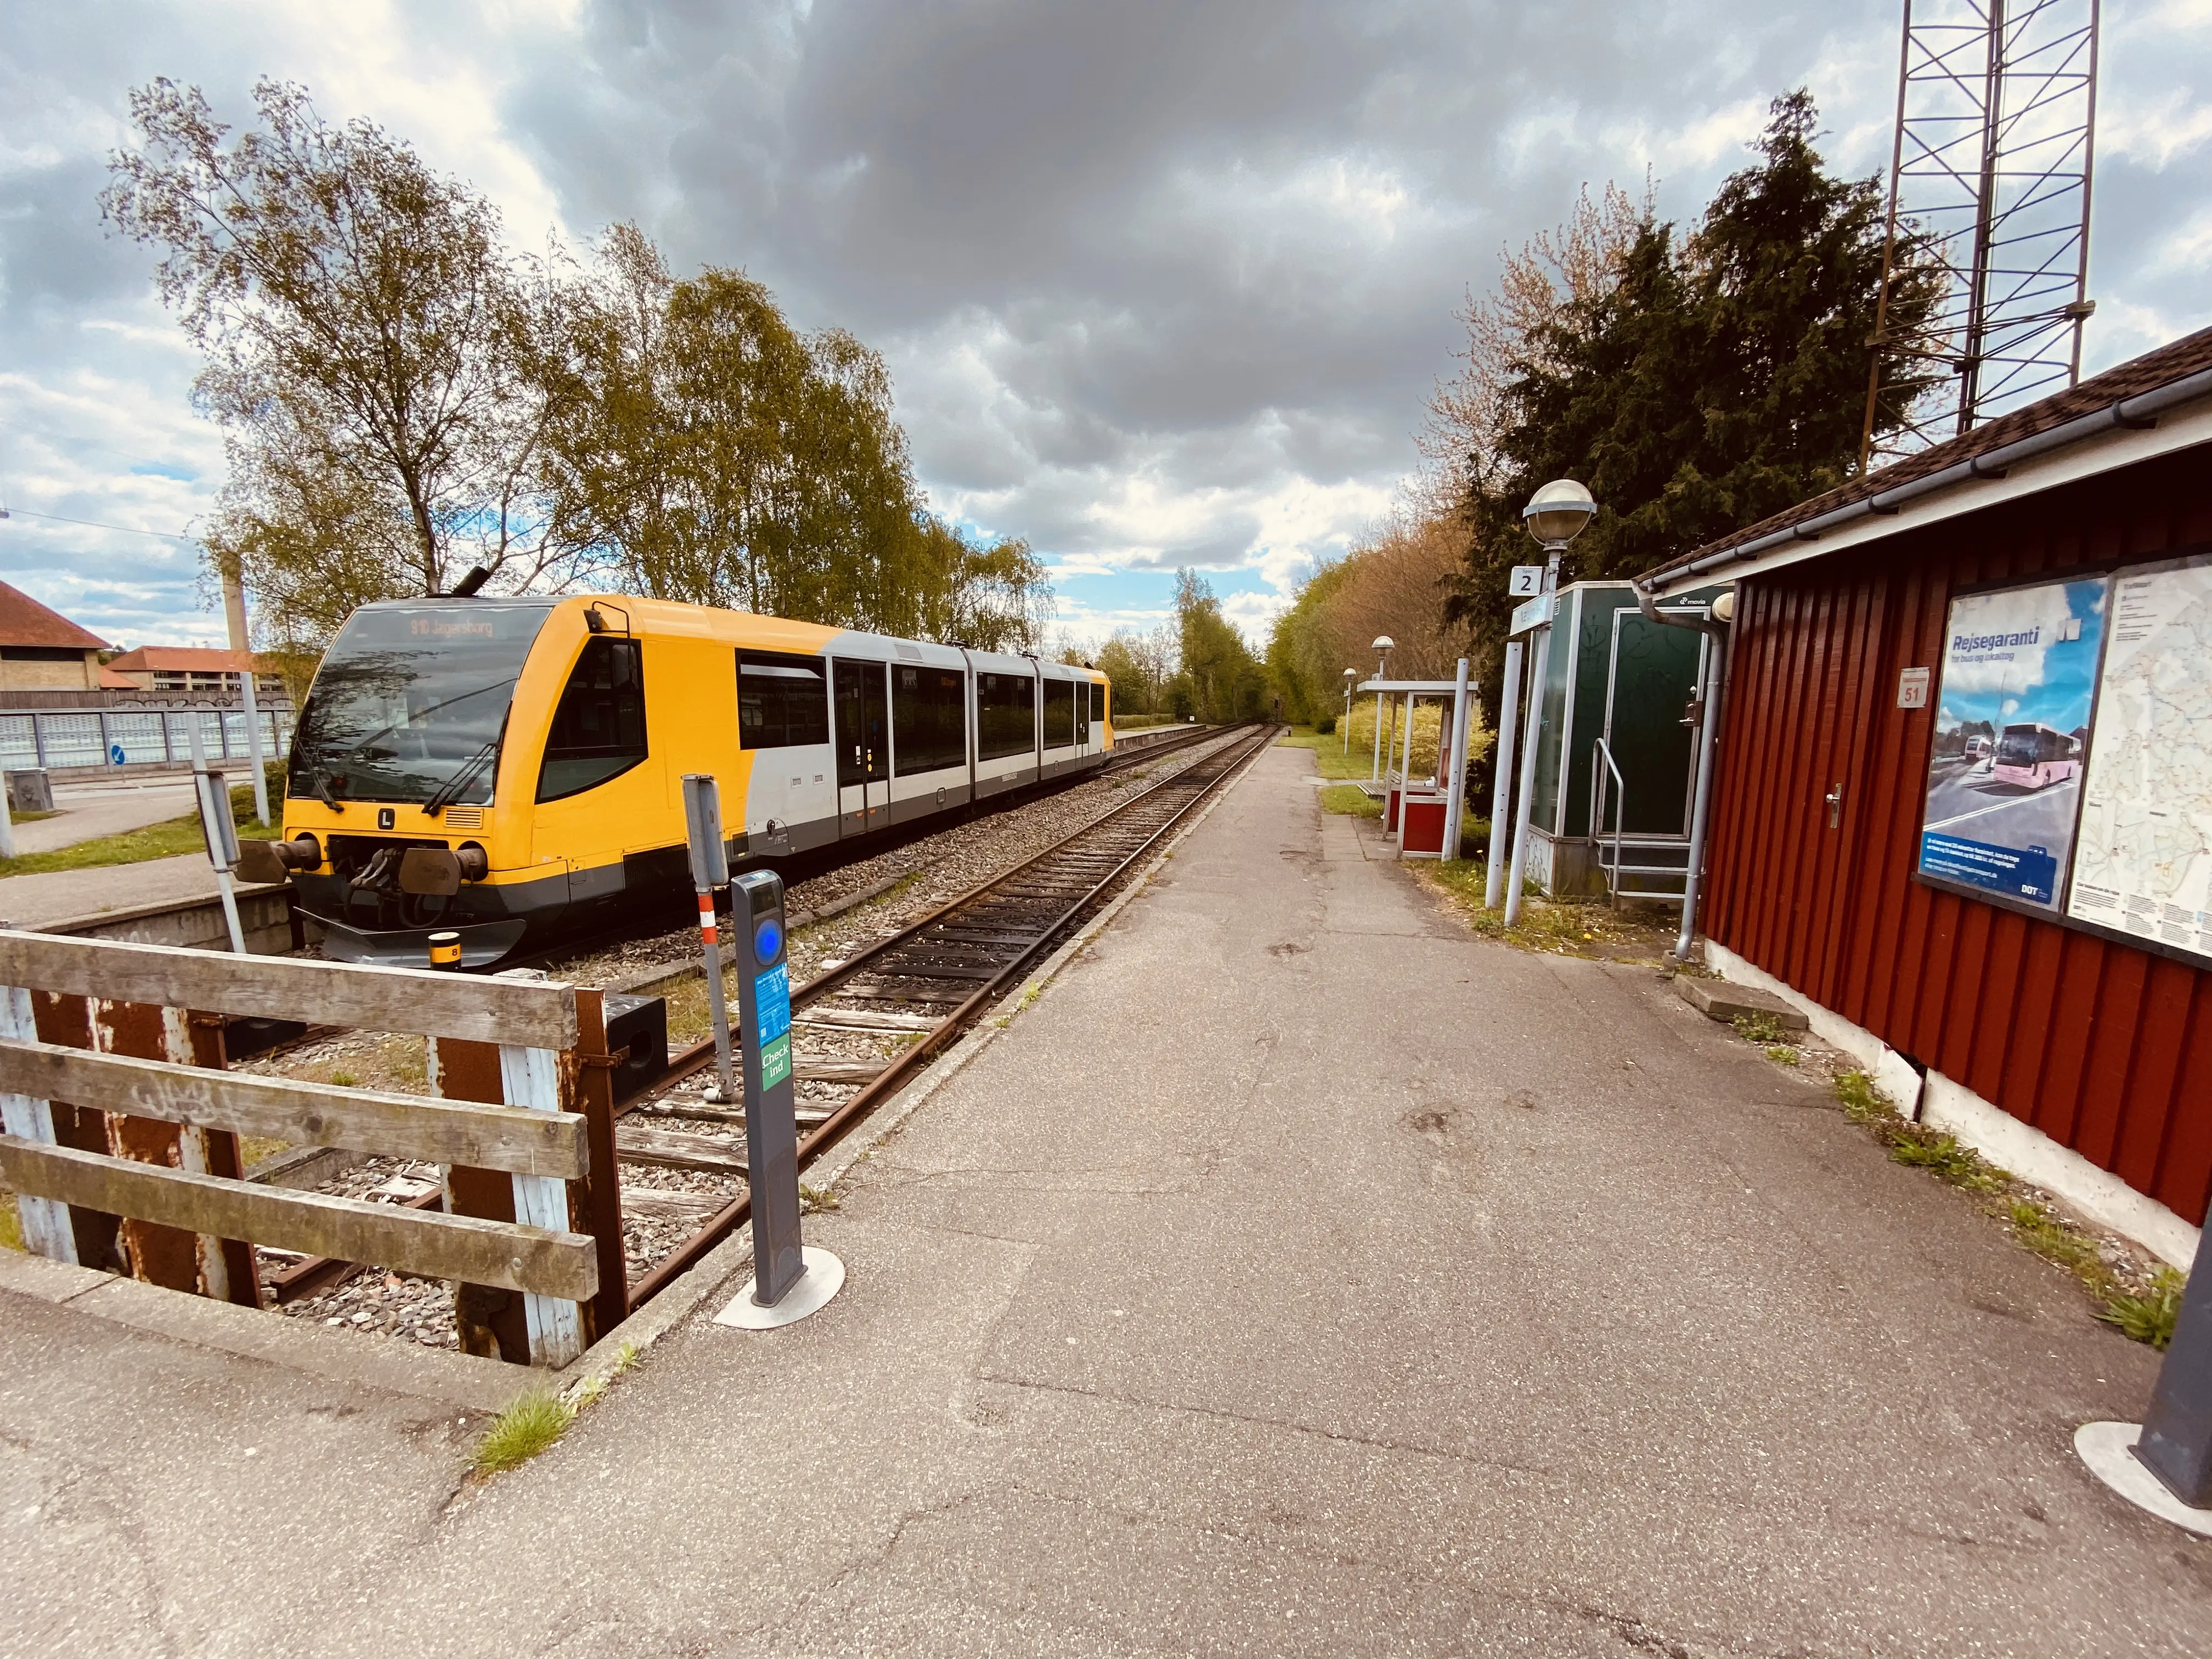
(1158, 281)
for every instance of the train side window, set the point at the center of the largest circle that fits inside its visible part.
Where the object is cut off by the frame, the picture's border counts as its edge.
(599, 728)
(1006, 720)
(783, 701)
(929, 718)
(1098, 702)
(1059, 714)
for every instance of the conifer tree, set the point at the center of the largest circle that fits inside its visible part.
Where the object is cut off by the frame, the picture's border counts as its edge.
(1714, 380)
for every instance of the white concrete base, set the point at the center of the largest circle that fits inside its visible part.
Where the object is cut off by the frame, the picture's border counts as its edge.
(2004, 1140)
(2109, 1450)
(1892, 1072)
(2034, 1156)
(824, 1279)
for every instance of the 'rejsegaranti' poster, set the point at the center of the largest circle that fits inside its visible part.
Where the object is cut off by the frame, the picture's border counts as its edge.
(2143, 866)
(2012, 726)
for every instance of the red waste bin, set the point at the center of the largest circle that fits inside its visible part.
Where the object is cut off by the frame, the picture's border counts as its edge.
(1424, 825)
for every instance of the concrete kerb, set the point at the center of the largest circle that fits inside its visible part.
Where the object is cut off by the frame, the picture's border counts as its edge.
(488, 1386)
(336, 1356)
(735, 1253)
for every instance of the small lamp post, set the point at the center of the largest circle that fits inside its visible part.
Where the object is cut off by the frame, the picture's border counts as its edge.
(1555, 515)
(1350, 679)
(1383, 645)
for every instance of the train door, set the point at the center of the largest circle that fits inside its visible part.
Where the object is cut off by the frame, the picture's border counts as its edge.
(864, 769)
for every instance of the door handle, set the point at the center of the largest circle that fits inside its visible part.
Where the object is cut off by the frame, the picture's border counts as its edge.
(1835, 800)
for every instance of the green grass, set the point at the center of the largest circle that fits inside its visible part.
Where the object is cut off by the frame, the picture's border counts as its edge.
(2148, 1318)
(1861, 1102)
(532, 1424)
(155, 840)
(1331, 759)
(1762, 1029)
(11, 1224)
(1942, 1155)
(1350, 799)
(2034, 1225)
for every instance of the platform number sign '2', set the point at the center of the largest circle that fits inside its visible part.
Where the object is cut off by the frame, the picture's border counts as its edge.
(1527, 583)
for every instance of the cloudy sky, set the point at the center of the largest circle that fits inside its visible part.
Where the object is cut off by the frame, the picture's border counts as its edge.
(1160, 284)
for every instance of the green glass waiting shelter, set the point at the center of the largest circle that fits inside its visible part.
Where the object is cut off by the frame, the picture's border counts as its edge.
(1616, 753)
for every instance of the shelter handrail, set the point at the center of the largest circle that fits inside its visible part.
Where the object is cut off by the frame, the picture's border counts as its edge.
(1603, 751)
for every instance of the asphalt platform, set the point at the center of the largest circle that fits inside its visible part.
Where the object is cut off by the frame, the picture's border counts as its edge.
(1300, 1274)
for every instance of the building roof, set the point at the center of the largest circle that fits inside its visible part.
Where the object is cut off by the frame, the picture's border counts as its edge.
(183, 659)
(24, 620)
(112, 681)
(2033, 430)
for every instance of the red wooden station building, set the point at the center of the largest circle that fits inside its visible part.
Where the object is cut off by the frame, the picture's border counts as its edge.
(1961, 806)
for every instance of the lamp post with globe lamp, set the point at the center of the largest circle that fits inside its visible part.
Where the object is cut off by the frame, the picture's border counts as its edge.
(1350, 679)
(1555, 515)
(1383, 645)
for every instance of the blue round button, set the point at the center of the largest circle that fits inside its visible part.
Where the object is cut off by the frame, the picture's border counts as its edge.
(768, 941)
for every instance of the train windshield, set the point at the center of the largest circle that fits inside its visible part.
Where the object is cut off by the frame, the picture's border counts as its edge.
(411, 701)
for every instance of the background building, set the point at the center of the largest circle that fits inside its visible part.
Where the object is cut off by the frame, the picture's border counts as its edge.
(42, 650)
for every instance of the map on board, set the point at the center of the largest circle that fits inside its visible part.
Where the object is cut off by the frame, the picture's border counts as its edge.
(2142, 859)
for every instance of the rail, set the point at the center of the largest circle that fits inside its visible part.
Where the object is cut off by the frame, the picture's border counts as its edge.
(964, 956)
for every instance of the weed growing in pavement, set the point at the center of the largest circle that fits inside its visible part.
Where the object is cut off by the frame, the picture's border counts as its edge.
(342, 1079)
(816, 1198)
(1861, 1102)
(1782, 1054)
(2144, 1312)
(2148, 1317)
(531, 1425)
(1762, 1029)
(2051, 1238)
(1961, 1166)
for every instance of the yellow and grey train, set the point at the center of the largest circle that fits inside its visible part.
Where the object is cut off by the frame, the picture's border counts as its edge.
(511, 769)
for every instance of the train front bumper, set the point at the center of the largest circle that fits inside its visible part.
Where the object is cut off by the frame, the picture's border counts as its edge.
(482, 943)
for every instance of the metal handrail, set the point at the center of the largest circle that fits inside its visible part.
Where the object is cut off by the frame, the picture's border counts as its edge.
(1603, 751)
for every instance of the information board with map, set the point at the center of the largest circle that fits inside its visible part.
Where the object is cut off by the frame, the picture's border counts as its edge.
(2143, 856)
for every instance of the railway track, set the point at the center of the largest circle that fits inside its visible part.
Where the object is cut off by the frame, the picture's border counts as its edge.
(929, 982)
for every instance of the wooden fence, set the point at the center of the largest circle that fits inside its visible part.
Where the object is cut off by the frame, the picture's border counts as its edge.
(122, 1126)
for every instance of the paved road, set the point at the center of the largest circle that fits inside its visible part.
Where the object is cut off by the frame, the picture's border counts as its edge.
(1299, 1274)
(86, 811)
(1970, 804)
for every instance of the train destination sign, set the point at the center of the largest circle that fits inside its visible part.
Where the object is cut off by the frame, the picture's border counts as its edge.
(2071, 773)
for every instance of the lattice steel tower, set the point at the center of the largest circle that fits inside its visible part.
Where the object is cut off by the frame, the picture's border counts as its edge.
(1996, 108)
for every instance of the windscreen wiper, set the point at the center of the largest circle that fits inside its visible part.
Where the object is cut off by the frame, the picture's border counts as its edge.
(450, 790)
(322, 789)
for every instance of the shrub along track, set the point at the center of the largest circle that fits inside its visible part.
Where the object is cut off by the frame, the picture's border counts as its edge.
(925, 986)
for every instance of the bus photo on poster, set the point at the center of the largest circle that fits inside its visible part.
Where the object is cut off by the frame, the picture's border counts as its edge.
(2013, 713)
